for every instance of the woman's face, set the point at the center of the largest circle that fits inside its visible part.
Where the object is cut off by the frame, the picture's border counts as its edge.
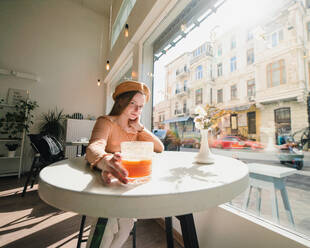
(135, 106)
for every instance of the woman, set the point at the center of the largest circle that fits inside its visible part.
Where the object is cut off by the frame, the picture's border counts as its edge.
(122, 124)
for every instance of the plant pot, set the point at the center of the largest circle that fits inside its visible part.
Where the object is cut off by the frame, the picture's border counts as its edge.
(11, 154)
(204, 155)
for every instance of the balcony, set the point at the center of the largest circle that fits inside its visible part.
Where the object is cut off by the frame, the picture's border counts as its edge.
(182, 73)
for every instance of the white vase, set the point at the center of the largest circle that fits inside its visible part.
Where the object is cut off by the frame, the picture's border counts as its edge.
(11, 154)
(204, 155)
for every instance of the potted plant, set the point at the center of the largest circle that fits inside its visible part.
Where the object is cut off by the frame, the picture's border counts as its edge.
(12, 149)
(19, 119)
(52, 123)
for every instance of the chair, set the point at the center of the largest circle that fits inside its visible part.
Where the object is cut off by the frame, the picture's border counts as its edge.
(80, 236)
(47, 151)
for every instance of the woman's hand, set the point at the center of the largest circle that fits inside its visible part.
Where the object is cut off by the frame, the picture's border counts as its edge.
(111, 167)
(135, 125)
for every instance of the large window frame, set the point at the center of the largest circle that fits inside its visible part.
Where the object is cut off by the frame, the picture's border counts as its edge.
(276, 73)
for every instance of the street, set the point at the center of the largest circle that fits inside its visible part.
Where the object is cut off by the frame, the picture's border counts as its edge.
(297, 186)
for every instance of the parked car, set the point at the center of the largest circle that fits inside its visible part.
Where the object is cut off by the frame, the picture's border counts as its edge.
(190, 143)
(235, 142)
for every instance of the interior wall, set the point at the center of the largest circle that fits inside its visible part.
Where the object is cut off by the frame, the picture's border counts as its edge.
(218, 227)
(60, 42)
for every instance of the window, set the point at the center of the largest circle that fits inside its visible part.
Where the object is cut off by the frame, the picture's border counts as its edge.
(219, 69)
(251, 87)
(199, 96)
(185, 85)
(308, 30)
(211, 72)
(199, 50)
(233, 64)
(249, 35)
(308, 3)
(184, 106)
(176, 110)
(250, 56)
(220, 96)
(199, 72)
(219, 50)
(121, 19)
(177, 88)
(276, 73)
(233, 92)
(233, 43)
(276, 38)
(251, 122)
(211, 96)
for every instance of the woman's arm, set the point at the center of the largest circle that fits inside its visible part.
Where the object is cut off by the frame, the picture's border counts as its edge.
(146, 135)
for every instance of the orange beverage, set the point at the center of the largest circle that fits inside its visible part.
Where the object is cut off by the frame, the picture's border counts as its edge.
(138, 168)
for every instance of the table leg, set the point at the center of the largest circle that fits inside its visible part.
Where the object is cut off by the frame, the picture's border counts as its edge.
(274, 205)
(258, 200)
(81, 231)
(287, 206)
(188, 231)
(169, 235)
(247, 196)
(98, 233)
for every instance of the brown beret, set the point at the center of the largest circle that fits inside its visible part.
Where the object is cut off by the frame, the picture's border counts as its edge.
(127, 86)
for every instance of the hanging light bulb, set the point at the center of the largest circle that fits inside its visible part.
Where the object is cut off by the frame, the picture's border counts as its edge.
(126, 31)
(98, 82)
(108, 65)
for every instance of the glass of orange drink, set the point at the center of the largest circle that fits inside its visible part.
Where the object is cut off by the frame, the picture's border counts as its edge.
(137, 160)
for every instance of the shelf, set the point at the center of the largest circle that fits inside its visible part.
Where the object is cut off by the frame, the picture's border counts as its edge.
(9, 140)
(10, 157)
(7, 105)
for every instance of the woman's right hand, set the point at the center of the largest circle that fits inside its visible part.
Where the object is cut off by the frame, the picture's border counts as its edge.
(111, 167)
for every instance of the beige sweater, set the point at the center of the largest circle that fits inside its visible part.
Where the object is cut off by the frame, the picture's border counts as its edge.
(107, 136)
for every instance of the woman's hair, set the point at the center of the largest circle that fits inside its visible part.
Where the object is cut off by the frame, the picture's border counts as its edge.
(122, 101)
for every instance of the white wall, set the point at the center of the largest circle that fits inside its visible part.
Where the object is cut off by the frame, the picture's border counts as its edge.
(60, 42)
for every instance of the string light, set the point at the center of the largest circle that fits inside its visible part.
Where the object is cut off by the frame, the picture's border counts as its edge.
(108, 65)
(98, 82)
(126, 31)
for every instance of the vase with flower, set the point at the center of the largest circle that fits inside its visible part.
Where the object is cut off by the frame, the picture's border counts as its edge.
(205, 120)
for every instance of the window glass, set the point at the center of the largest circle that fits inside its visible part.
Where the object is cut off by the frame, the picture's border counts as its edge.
(265, 98)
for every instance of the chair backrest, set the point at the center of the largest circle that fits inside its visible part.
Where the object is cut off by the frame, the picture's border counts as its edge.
(48, 146)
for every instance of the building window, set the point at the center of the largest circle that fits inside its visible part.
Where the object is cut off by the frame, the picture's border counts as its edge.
(250, 56)
(199, 50)
(233, 43)
(233, 92)
(251, 122)
(219, 69)
(177, 88)
(211, 96)
(276, 73)
(184, 106)
(199, 72)
(177, 111)
(121, 19)
(233, 64)
(219, 50)
(308, 3)
(308, 30)
(185, 85)
(276, 38)
(199, 96)
(249, 35)
(251, 87)
(211, 72)
(220, 96)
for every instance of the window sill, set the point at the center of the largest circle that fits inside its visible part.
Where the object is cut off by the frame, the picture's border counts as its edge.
(290, 234)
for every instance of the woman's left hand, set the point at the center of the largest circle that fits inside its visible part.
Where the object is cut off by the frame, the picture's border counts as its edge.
(135, 125)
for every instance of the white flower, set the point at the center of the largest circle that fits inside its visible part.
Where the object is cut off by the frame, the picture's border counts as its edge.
(200, 111)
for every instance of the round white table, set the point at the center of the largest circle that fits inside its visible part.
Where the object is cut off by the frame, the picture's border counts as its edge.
(178, 187)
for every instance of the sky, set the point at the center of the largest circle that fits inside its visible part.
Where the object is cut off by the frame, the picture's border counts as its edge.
(231, 14)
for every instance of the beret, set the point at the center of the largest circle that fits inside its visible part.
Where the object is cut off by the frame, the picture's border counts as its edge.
(129, 85)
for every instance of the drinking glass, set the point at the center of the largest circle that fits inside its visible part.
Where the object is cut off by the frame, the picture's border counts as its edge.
(137, 160)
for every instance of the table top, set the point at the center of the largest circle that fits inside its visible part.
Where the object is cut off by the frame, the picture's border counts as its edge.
(77, 143)
(178, 186)
(270, 170)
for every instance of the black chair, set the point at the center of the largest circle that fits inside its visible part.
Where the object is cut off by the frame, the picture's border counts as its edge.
(47, 151)
(80, 236)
